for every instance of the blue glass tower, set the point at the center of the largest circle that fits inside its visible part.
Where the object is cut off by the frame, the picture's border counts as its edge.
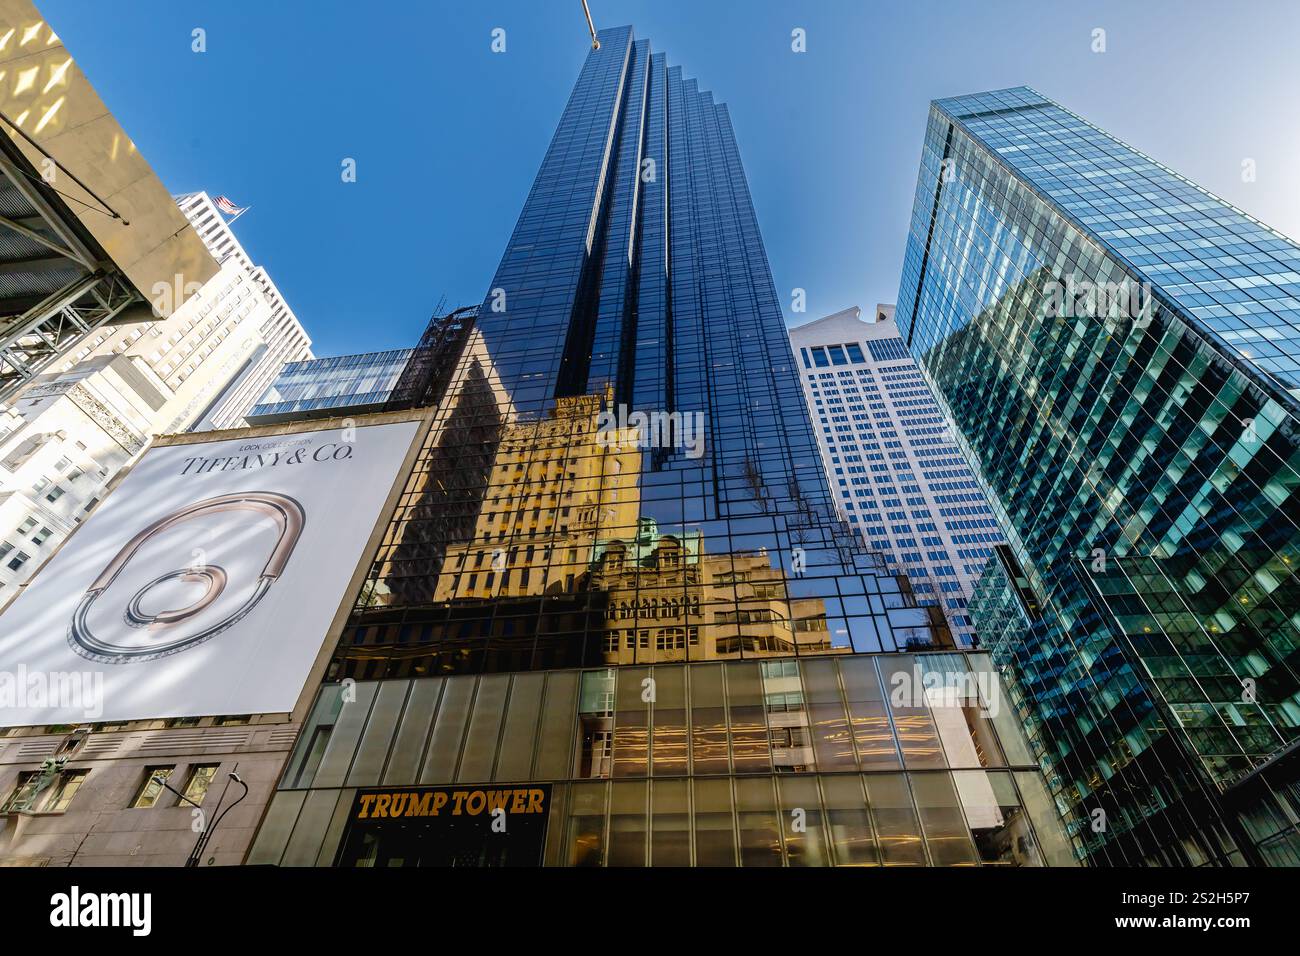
(1119, 351)
(615, 581)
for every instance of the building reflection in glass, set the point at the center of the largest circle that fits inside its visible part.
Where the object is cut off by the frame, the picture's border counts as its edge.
(531, 542)
(615, 568)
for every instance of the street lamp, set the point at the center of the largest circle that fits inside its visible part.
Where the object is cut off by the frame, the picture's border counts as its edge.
(202, 842)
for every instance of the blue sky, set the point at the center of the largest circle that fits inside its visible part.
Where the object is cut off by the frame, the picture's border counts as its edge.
(448, 135)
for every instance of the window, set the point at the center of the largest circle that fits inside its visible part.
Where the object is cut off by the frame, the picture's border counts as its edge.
(55, 494)
(152, 787)
(52, 797)
(40, 537)
(69, 782)
(201, 777)
(22, 791)
(883, 350)
(18, 561)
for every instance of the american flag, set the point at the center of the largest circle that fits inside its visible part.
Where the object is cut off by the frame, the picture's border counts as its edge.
(226, 206)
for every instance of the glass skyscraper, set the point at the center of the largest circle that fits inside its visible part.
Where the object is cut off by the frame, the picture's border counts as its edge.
(1118, 350)
(614, 598)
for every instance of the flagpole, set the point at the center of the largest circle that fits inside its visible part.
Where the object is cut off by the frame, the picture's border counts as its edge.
(238, 214)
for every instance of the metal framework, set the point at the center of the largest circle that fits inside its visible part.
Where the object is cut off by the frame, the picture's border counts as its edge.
(428, 372)
(56, 283)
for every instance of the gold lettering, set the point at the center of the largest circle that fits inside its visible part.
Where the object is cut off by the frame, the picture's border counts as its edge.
(439, 801)
(419, 805)
(474, 806)
(520, 803)
(535, 798)
(458, 798)
(381, 805)
(497, 799)
(366, 801)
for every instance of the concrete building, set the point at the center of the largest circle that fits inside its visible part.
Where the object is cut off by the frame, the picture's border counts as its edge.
(116, 322)
(896, 475)
(283, 339)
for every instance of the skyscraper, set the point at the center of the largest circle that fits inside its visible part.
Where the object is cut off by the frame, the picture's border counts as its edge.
(282, 337)
(1120, 352)
(614, 605)
(895, 474)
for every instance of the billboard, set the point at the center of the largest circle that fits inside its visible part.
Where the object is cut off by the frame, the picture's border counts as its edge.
(204, 584)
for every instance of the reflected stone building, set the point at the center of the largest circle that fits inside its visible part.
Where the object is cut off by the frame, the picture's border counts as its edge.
(1120, 353)
(615, 607)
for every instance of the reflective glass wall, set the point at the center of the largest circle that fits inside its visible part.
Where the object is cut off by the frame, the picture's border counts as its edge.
(1116, 348)
(867, 760)
(342, 383)
(621, 485)
(623, 470)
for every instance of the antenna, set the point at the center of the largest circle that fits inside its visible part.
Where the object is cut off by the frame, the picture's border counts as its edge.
(595, 44)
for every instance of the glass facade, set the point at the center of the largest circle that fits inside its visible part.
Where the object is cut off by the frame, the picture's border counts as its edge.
(327, 386)
(615, 575)
(1117, 349)
(751, 763)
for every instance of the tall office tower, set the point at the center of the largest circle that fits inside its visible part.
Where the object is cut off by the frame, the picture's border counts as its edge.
(614, 607)
(284, 340)
(895, 474)
(1120, 351)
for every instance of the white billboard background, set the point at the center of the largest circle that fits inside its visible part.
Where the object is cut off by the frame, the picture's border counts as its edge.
(192, 625)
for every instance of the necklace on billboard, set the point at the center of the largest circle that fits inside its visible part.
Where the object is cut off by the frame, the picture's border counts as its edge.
(289, 519)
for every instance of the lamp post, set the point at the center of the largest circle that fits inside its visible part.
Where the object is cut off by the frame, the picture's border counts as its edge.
(206, 834)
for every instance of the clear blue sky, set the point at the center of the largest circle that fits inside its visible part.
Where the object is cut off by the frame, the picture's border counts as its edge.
(447, 135)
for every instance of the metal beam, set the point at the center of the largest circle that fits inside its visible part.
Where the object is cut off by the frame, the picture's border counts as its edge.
(35, 236)
(56, 327)
(36, 265)
(51, 304)
(18, 178)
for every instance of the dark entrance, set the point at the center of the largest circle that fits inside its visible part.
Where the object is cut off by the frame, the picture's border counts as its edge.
(447, 826)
